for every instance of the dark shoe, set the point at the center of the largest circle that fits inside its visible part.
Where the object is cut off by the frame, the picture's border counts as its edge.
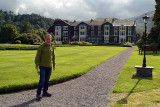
(39, 96)
(46, 94)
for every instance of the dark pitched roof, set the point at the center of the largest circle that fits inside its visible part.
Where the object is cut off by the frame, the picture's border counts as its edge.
(100, 21)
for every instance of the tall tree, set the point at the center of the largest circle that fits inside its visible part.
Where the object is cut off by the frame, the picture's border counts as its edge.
(8, 33)
(26, 27)
(154, 36)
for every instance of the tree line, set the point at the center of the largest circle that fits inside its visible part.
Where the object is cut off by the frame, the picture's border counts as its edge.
(23, 28)
(153, 37)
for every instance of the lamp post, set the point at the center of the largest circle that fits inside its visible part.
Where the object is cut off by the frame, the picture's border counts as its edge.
(145, 18)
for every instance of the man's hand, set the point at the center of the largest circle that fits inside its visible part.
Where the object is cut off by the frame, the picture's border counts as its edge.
(54, 67)
(37, 68)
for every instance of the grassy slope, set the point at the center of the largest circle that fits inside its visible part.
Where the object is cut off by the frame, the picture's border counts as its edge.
(17, 69)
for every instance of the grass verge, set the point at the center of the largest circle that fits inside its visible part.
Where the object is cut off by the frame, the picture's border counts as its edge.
(17, 68)
(129, 86)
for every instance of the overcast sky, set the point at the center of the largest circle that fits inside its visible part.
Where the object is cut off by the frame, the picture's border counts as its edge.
(80, 9)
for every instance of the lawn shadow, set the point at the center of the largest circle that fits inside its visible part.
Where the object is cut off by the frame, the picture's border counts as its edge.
(26, 104)
(124, 100)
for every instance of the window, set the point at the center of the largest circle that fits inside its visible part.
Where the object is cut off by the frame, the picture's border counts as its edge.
(82, 27)
(106, 27)
(115, 39)
(122, 28)
(129, 33)
(92, 33)
(122, 33)
(75, 33)
(82, 33)
(129, 39)
(92, 27)
(65, 39)
(115, 32)
(99, 27)
(129, 28)
(58, 39)
(65, 27)
(57, 33)
(65, 33)
(115, 28)
(106, 32)
(75, 28)
(99, 33)
(57, 27)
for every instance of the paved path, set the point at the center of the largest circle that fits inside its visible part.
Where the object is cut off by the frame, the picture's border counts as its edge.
(88, 90)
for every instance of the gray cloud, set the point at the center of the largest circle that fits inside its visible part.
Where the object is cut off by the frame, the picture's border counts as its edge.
(79, 9)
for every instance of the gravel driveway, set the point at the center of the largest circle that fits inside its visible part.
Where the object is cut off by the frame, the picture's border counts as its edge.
(89, 90)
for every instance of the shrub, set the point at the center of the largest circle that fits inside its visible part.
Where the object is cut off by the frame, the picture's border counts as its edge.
(127, 44)
(29, 38)
(74, 43)
(139, 43)
(17, 42)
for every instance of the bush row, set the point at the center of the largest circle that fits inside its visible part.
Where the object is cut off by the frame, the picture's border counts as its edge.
(58, 44)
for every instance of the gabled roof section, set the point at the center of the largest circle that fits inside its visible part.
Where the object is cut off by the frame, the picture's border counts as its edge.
(75, 23)
(65, 21)
(95, 22)
(110, 20)
(84, 23)
(124, 23)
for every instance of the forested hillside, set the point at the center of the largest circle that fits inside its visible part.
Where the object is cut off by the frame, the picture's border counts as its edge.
(23, 28)
(35, 21)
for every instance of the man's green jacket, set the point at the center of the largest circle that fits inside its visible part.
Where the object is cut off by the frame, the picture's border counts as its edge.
(45, 56)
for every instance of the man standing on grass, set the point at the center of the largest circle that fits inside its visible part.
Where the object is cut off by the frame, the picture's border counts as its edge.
(45, 59)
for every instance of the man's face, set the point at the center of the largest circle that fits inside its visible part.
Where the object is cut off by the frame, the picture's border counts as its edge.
(48, 40)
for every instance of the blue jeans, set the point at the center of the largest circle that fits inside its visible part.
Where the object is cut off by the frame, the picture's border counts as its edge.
(45, 73)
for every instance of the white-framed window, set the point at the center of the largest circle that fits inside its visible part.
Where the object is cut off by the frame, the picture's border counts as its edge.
(115, 39)
(129, 28)
(65, 27)
(99, 27)
(92, 27)
(115, 28)
(82, 38)
(99, 33)
(82, 27)
(106, 39)
(129, 33)
(122, 33)
(65, 33)
(82, 33)
(123, 40)
(58, 39)
(122, 27)
(57, 33)
(116, 32)
(75, 28)
(106, 32)
(129, 39)
(75, 33)
(65, 38)
(106, 27)
(92, 33)
(57, 27)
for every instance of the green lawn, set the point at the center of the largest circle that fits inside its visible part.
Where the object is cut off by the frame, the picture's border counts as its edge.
(17, 69)
(133, 91)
